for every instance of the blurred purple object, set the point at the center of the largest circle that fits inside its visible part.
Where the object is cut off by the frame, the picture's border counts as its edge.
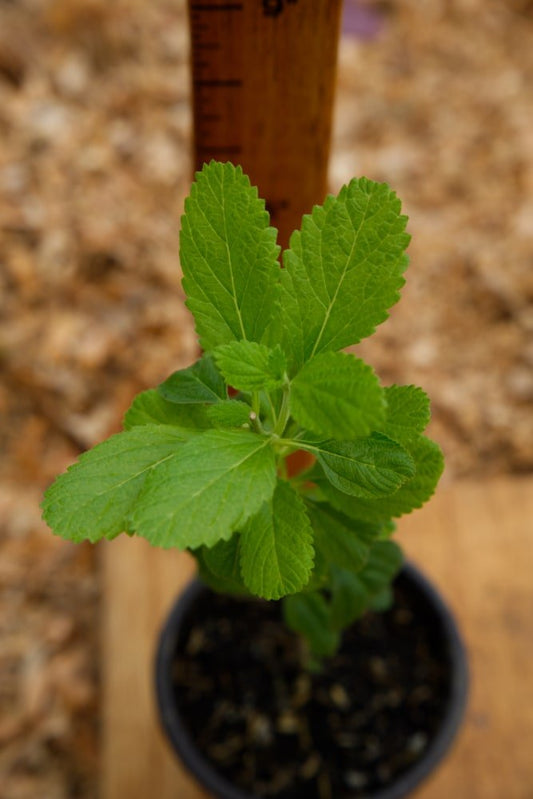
(360, 20)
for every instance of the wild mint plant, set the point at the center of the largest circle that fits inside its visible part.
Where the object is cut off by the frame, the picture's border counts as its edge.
(202, 462)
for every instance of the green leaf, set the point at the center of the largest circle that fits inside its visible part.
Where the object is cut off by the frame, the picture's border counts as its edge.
(93, 498)
(213, 484)
(277, 546)
(382, 601)
(337, 396)
(429, 464)
(220, 566)
(200, 383)
(384, 563)
(408, 412)
(368, 467)
(320, 575)
(340, 540)
(248, 366)
(309, 615)
(229, 256)
(343, 270)
(149, 407)
(229, 413)
(349, 598)
(352, 594)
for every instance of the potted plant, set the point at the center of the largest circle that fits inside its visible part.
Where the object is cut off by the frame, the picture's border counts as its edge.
(309, 661)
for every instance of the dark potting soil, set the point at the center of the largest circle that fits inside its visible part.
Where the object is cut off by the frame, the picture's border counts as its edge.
(274, 729)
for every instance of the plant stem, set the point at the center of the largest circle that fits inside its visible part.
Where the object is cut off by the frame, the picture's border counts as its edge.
(256, 404)
(284, 413)
(254, 416)
(272, 410)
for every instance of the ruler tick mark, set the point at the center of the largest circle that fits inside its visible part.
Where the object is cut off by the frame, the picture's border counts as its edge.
(216, 7)
(208, 46)
(232, 83)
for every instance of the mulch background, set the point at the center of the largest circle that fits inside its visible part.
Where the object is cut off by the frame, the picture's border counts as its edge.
(94, 165)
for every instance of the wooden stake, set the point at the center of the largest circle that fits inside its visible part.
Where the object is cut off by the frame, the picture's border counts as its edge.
(263, 74)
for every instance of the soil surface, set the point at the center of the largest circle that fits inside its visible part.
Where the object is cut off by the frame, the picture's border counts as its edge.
(274, 729)
(434, 97)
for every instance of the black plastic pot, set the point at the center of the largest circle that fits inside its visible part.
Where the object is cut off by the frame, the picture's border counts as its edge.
(174, 633)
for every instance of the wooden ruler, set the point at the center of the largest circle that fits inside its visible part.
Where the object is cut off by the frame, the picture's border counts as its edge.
(263, 76)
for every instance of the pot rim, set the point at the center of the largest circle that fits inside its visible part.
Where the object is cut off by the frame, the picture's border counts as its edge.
(204, 771)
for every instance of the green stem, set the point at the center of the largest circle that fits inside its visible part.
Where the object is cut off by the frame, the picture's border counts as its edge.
(284, 413)
(272, 410)
(256, 409)
(256, 404)
(282, 467)
(294, 443)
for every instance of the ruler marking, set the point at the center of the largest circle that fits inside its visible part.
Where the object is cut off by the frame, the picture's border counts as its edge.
(231, 83)
(216, 7)
(207, 45)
